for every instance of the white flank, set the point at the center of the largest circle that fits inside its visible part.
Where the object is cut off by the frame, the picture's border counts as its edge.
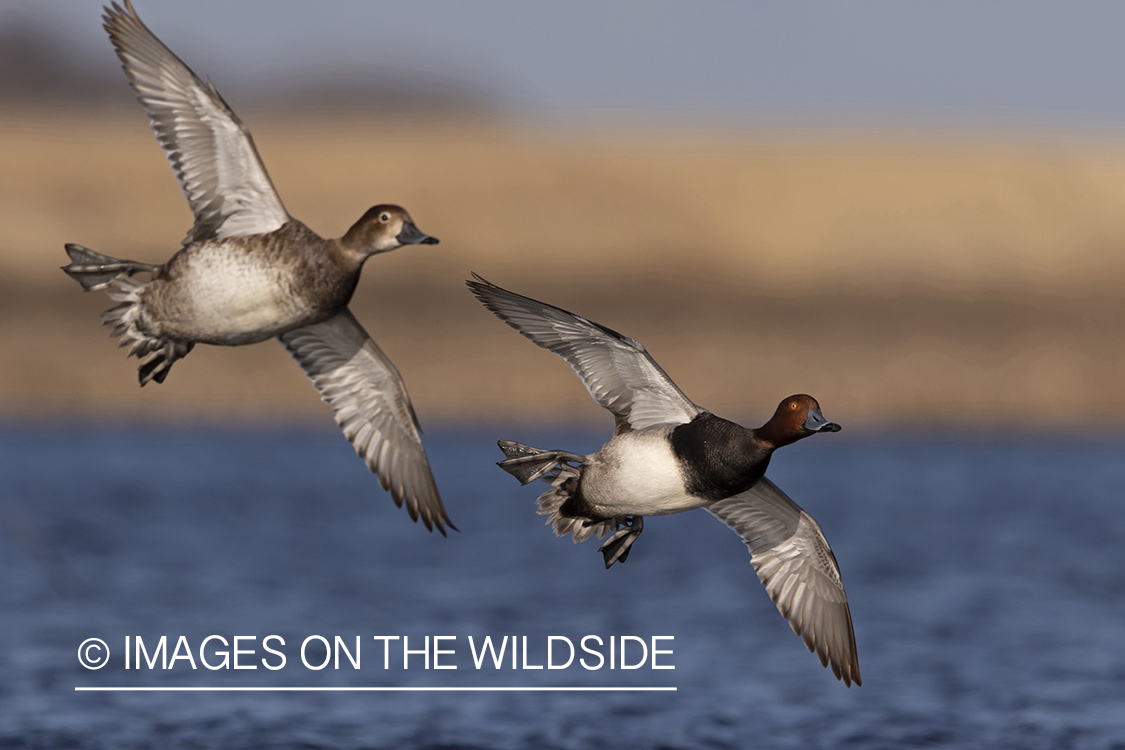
(637, 474)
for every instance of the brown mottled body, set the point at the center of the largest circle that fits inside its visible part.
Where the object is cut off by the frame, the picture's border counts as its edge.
(242, 290)
(231, 291)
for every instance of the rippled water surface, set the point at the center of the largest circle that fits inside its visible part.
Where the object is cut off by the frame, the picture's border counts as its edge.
(987, 583)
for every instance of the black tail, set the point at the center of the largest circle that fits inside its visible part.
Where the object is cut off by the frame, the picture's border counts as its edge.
(96, 271)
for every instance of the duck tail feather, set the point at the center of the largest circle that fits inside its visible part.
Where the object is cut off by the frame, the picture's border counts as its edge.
(125, 319)
(157, 367)
(527, 464)
(550, 504)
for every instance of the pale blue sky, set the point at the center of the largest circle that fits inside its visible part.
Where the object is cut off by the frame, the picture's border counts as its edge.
(1009, 63)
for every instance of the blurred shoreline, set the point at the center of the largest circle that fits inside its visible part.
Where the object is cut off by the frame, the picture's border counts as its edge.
(907, 281)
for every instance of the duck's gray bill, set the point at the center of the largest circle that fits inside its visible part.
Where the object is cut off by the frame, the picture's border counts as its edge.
(411, 235)
(817, 423)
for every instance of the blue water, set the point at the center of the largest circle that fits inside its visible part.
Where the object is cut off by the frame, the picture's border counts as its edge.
(986, 578)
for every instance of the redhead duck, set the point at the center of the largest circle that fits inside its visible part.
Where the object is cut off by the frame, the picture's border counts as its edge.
(668, 455)
(248, 271)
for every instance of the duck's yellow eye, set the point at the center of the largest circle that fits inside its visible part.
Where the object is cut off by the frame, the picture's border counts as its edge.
(384, 217)
(792, 404)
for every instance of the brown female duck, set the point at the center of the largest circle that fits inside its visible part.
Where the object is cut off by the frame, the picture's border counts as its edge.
(248, 271)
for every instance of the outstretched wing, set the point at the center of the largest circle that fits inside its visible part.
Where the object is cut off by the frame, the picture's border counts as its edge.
(370, 402)
(617, 371)
(211, 151)
(798, 569)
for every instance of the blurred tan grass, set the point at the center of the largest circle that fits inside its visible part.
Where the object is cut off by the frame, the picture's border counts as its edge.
(901, 280)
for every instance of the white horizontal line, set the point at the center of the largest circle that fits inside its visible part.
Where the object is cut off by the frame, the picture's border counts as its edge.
(374, 689)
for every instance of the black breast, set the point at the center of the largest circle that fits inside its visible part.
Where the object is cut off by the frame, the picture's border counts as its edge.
(719, 458)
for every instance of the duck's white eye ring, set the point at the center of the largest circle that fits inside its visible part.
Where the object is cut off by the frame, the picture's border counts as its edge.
(384, 217)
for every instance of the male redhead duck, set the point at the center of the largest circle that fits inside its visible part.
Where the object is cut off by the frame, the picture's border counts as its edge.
(248, 271)
(668, 455)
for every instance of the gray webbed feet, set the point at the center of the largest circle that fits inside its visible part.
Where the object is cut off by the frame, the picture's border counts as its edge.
(528, 464)
(616, 548)
(96, 271)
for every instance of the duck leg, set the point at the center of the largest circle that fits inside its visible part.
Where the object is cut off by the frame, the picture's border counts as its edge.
(528, 464)
(616, 548)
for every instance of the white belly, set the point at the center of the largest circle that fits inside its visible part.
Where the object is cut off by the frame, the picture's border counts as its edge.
(249, 301)
(226, 298)
(637, 474)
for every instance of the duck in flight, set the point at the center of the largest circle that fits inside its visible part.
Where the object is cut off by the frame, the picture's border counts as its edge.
(247, 271)
(668, 455)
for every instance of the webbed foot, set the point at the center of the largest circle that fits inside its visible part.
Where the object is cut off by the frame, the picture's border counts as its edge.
(616, 548)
